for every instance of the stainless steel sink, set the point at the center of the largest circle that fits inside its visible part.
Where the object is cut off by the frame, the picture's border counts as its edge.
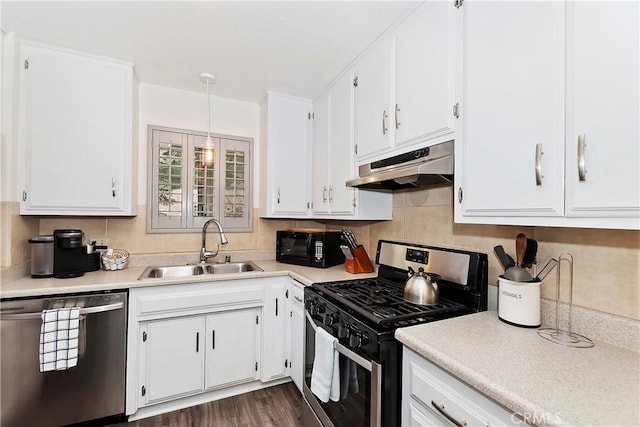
(231, 267)
(157, 272)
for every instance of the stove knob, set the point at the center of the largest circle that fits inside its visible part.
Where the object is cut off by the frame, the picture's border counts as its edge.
(357, 339)
(330, 319)
(317, 309)
(343, 331)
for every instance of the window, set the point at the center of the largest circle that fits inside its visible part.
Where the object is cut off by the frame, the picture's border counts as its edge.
(189, 184)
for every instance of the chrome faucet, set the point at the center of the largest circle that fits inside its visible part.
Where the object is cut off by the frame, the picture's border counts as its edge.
(204, 254)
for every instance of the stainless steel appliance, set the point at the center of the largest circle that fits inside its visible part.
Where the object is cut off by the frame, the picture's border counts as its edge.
(70, 256)
(428, 167)
(41, 256)
(309, 247)
(363, 315)
(93, 389)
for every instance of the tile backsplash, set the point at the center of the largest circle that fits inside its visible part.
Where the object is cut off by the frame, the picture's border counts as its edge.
(605, 262)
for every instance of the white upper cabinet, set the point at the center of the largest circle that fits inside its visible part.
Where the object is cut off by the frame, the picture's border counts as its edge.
(334, 163)
(320, 156)
(373, 100)
(512, 108)
(406, 85)
(425, 75)
(541, 143)
(603, 149)
(76, 136)
(286, 137)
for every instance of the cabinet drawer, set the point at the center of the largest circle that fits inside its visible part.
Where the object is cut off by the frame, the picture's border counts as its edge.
(437, 393)
(199, 300)
(441, 399)
(297, 292)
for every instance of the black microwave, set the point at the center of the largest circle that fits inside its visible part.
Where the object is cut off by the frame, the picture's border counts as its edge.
(309, 247)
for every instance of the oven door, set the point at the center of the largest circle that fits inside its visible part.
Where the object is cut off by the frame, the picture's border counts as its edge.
(361, 389)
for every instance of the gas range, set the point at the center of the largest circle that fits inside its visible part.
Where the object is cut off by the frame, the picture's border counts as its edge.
(363, 314)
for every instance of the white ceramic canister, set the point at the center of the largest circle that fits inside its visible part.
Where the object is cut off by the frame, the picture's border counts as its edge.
(519, 302)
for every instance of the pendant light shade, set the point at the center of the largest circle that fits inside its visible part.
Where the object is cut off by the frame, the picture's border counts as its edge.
(208, 79)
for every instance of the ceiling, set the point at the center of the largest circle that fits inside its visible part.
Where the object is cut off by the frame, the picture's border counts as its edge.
(294, 47)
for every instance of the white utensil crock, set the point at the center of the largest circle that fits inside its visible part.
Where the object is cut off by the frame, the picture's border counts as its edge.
(519, 302)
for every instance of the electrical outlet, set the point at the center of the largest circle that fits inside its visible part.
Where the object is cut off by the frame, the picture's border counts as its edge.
(100, 241)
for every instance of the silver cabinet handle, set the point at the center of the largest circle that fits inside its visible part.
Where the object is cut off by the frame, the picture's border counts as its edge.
(113, 187)
(213, 339)
(324, 194)
(278, 196)
(440, 408)
(384, 122)
(83, 312)
(197, 342)
(582, 172)
(330, 194)
(397, 111)
(297, 298)
(539, 154)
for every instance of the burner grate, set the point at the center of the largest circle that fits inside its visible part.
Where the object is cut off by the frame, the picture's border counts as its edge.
(382, 301)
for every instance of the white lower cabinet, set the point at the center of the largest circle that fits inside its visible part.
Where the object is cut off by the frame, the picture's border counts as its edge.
(192, 343)
(433, 397)
(232, 341)
(173, 358)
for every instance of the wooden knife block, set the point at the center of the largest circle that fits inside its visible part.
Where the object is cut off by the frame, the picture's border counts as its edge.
(360, 262)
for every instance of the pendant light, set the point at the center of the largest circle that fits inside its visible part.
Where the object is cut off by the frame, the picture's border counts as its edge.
(208, 79)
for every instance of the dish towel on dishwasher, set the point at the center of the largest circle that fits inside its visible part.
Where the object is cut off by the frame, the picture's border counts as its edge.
(59, 339)
(325, 375)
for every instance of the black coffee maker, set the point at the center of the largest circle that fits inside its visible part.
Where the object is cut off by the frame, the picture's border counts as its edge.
(70, 257)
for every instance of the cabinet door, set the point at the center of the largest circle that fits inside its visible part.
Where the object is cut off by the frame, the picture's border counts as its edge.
(320, 153)
(373, 101)
(296, 361)
(173, 353)
(289, 137)
(425, 76)
(603, 114)
(273, 332)
(512, 109)
(231, 353)
(76, 133)
(341, 153)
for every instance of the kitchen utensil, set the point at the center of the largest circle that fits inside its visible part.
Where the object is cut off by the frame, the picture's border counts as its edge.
(421, 288)
(521, 248)
(546, 269)
(346, 251)
(530, 253)
(504, 259)
(350, 238)
(517, 273)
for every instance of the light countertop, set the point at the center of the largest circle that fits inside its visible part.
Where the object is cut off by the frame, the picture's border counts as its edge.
(598, 386)
(128, 278)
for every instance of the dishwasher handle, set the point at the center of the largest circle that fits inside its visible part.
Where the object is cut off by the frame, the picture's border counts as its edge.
(83, 312)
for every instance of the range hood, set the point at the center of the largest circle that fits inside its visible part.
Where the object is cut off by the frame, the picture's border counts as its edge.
(428, 167)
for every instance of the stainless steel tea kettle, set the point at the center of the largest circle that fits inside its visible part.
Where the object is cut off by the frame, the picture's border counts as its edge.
(421, 288)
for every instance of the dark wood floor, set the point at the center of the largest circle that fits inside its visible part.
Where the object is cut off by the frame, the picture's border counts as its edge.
(274, 406)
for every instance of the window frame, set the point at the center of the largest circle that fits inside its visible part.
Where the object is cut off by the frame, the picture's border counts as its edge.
(189, 223)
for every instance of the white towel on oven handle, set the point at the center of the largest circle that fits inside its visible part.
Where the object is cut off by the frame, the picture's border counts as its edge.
(325, 375)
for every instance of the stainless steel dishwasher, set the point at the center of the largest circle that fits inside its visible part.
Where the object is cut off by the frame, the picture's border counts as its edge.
(91, 390)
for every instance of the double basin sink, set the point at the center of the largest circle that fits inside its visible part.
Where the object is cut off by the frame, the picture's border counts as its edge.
(173, 271)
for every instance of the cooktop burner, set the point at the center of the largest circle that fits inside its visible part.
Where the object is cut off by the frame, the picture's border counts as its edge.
(382, 302)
